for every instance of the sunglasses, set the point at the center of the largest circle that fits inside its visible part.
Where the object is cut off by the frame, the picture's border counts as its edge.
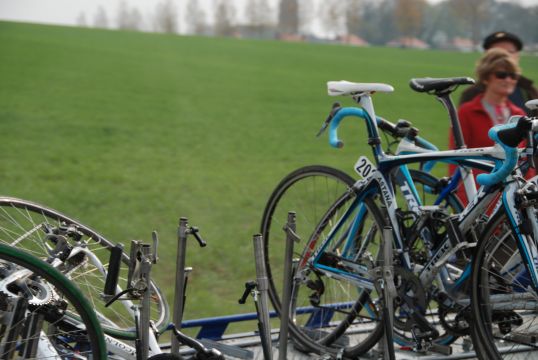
(505, 74)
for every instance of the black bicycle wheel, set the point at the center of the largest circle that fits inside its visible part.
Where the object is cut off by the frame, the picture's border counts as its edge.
(298, 190)
(331, 313)
(355, 326)
(44, 315)
(309, 191)
(504, 300)
(81, 254)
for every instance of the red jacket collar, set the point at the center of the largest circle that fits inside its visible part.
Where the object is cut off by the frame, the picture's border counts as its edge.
(476, 105)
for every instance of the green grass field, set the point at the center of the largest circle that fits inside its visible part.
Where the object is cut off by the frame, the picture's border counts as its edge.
(129, 131)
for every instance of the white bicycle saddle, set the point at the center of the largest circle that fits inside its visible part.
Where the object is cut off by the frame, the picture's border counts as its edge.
(532, 104)
(336, 88)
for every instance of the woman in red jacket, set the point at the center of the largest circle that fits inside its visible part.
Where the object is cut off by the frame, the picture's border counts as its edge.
(499, 73)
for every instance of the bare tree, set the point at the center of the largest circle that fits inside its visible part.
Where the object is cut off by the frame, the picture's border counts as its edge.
(307, 13)
(288, 17)
(377, 21)
(225, 18)
(409, 15)
(259, 15)
(473, 13)
(123, 16)
(332, 13)
(195, 18)
(81, 19)
(100, 19)
(135, 18)
(129, 18)
(353, 16)
(166, 17)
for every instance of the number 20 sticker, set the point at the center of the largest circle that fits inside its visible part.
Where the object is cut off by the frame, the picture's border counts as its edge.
(364, 167)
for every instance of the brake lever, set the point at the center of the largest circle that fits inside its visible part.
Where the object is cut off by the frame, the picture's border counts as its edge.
(336, 107)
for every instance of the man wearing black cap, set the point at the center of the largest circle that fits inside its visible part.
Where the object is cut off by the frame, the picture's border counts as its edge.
(524, 90)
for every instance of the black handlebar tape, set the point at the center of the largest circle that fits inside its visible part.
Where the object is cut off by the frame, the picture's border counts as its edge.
(403, 123)
(513, 136)
(113, 270)
(411, 133)
(335, 108)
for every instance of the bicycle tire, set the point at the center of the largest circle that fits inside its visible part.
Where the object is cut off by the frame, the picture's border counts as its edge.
(499, 271)
(345, 182)
(305, 183)
(357, 315)
(355, 327)
(275, 214)
(48, 288)
(23, 223)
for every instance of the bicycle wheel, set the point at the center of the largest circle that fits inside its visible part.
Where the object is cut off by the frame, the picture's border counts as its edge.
(39, 308)
(291, 192)
(504, 300)
(80, 253)
(309, 191)
(332, 313)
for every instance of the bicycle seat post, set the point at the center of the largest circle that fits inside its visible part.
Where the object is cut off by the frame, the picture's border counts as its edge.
(447, 102)
(459, 141)
(365, 101)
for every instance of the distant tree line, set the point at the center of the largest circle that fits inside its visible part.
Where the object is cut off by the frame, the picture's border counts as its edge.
(377, 22)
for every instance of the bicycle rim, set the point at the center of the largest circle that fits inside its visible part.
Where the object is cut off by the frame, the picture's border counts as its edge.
(331, 313)
(504, 303)
(309, 191)
(38, 303)
(31, 227)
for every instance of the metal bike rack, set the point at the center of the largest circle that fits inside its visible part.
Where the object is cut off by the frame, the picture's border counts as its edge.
(258, 289)
(291, 237)
(385, 281)
(137, 288)
(262, 305)
(179, 295)
(182, 275)
(145, 273)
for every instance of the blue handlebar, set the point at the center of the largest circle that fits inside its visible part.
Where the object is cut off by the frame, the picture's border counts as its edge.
(335, 122)
(508, 164)
(512, 134)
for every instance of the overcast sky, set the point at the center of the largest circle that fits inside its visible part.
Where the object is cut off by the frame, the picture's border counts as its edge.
(66, 12)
